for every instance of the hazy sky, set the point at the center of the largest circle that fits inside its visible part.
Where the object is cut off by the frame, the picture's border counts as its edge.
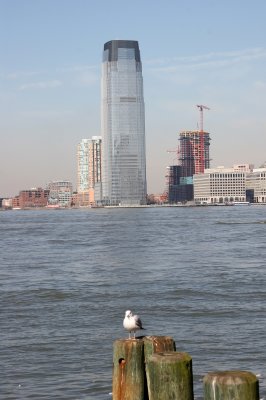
(209, 52)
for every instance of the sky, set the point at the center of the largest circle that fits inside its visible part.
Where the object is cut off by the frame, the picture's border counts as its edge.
(208, 52)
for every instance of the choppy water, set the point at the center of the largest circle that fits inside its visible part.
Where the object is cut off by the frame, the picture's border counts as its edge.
(66, 278)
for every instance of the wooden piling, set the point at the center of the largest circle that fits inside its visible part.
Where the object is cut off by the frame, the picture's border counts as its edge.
(169, 376)
(157, 344)
(228, 385)
(128, 369)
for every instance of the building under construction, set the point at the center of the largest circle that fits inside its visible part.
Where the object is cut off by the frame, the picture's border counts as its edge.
(193, 158)
(194, 154)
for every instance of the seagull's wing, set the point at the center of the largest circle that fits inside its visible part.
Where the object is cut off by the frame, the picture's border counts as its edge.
(138, 322)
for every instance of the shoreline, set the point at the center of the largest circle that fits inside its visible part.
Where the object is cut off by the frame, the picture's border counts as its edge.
(132, 207)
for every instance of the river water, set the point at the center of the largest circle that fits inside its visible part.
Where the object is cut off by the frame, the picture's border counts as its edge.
(67, 276)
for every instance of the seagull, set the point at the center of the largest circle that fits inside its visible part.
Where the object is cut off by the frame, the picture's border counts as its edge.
(132, 323)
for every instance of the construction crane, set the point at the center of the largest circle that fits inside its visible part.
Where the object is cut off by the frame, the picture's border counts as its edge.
(202, 144)
(177, 152)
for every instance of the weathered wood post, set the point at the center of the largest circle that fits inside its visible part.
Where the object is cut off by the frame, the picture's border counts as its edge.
(157, 344)
(128, 369)
(129, 360)
(228, 385)
(169, 376)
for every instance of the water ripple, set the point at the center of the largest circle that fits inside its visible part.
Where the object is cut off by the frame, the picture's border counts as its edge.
(66, 278)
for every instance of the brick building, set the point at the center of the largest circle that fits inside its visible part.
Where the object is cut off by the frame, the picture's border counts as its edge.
(31, 198)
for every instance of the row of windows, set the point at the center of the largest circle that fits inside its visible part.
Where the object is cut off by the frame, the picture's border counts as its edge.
(228, 175)
(221, 199)
(226, 182)
(256, 179)
(226, 193)
(219, 184)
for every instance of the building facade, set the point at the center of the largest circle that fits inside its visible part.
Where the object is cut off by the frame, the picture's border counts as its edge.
(95, 169)
(193, 157)
(7, 203)
(83, 166)
(123, 125)
(190, 152)
(89, 158)
(180, 189)
(33, 198)
(221, 185)
(60, 194)
(256, 185)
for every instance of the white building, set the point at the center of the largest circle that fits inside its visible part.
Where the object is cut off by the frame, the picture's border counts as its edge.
(256, 185)
(60, 193)
(83, 166)
(123, 125)
(221, 185)
(7, 203)
(89, 168)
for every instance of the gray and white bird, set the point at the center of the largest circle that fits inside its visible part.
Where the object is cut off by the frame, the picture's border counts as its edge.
(132, 323)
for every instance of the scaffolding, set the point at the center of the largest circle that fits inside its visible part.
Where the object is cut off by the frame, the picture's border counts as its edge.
(191, 148)
(202, 146)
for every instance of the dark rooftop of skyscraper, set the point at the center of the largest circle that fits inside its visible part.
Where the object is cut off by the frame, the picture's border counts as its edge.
(114, 45)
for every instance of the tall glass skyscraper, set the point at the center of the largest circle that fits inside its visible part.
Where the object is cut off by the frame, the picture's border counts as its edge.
(123, 125)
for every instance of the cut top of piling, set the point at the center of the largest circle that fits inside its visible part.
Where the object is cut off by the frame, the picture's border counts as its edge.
(230, 377)
(227, 385)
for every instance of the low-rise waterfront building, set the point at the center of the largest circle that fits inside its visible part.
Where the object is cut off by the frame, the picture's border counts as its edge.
(256, 185)
(15, 203)
(35, 197)
(221, 185)
(60, 193)
(7, 203)
(29, 198)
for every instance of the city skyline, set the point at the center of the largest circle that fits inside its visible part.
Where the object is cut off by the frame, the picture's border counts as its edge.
(206, 52)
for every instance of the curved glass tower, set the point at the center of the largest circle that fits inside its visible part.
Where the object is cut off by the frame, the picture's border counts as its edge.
(123, 125)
